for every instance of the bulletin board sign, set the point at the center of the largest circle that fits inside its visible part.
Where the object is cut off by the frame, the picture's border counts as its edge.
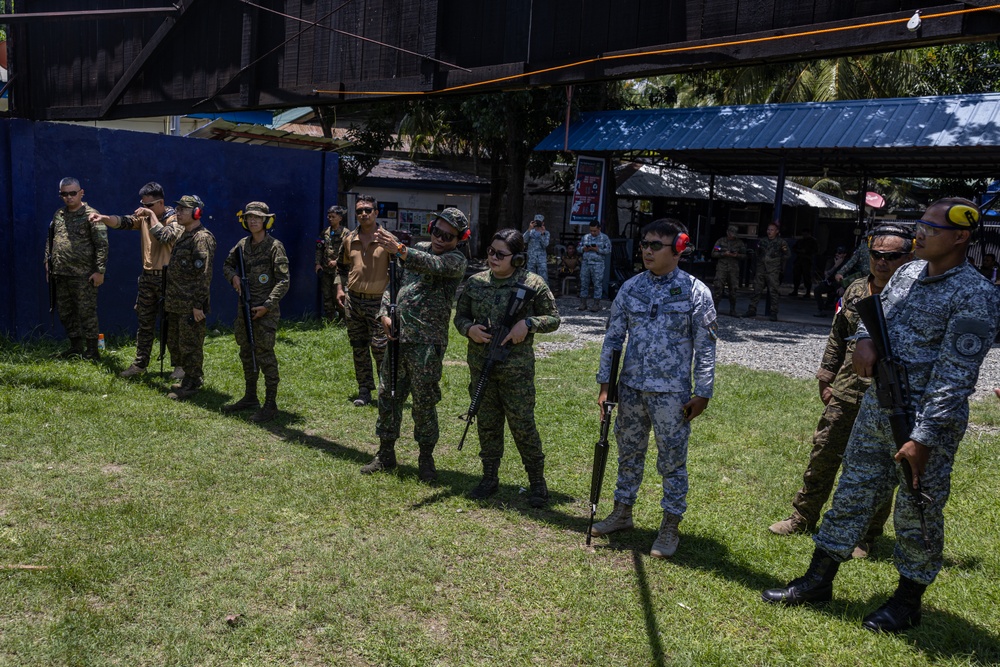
(588, 191)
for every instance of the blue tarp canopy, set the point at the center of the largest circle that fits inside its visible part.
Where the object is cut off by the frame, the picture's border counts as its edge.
(951, 136)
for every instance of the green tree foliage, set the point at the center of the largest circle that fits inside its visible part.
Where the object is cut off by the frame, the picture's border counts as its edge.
(369, 140)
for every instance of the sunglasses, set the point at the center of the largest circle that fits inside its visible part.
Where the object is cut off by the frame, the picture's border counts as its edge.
(71, 193)
(147, 204)
(887, 256)
(439, 233)
(655, 246)
(364, 210)
(500, 255)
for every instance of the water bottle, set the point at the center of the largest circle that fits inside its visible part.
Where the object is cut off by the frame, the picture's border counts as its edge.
(100, 341)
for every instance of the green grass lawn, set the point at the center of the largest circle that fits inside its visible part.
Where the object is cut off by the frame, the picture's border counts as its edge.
(132, 527)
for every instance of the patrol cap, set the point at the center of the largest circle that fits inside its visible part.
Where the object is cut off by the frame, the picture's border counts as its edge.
(539, 217)
(190, 201)
(455, 218)
(732, 229)
(257, 208)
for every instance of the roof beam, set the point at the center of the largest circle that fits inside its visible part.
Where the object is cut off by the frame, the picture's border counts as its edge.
(92, 15)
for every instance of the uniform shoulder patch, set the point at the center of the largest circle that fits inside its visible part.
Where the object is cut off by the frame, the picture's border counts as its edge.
(968, 344)
(263, 278)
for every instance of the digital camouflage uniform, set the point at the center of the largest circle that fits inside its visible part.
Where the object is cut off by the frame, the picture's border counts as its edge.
(858, 266)
(364, 329)
(188, 283)
(328, 247)
(510, 393)
(837, 420)
(941, 328)
(592, 265)
(79, 248)
(670, 324)
(267, 282)
(147, 299)
(771, 256)
(538, 257)
(426, 295)
(727, 269)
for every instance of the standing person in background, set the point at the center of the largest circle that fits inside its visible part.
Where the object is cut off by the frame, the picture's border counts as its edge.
(537, 240)
(594, 249)
(362, 275)
(805, 250)
(267, 274)
(989, 267)
(155, 256)
(328, 247)
(772, 252)
(77, 249)
(729, 251)
(510, 393)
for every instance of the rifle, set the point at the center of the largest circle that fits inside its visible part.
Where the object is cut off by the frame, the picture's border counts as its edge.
(245, 305)
(394, 327)
(892, 385)
(601, 447)
(51, 278)
(497, 352)
(163, 316)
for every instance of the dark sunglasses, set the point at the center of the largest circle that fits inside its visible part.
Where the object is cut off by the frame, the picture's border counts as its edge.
(364, 210)
(887, 256)
(439, 233)
(655, 246)
(71, 193)
(499, 254)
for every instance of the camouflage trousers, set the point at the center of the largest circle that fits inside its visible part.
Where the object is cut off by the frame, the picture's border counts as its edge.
(510, 396)
(869, 477)
(187, 338)
(264, 333)
(727, 273)
(147, 308)
(770, 277)
(829, 442)
(591, 279)
(364, 330)
(420, 375)
(76, 301)
(539, 263)
(638, 411)
(329, 290)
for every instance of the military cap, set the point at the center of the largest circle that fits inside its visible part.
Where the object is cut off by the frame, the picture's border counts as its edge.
(258, 208)
(190, 201)
(454, 217)
(732, 229)
(539, 217)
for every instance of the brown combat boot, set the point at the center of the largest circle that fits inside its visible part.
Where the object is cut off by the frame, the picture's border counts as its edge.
(619, 519)
(187, 389)
(667, 539)
(796, 523)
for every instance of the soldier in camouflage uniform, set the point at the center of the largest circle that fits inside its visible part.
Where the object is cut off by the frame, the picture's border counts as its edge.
(267, 276)
(362, 275)
(594, 249)
(155, 256)
(537, 240)
(431, 273)
(841, 390)
(188, 288)
(729, 251)
(941, 316)
(772, 252)
(510, 392)
(328, 247)
(76, 256)
(669, 319)
(856, 267)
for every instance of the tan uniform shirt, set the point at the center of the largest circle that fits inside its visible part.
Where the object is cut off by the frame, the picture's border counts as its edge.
(363, 268)
(155, 255)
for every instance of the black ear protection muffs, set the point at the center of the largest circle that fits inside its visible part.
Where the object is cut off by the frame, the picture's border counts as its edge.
(518, 260)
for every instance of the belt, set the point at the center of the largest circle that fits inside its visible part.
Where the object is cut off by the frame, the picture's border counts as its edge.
(153, 272)
(359, 295)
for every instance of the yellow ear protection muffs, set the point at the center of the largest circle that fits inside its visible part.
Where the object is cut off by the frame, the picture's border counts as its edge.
(242, 217)
(681, 242)
(963, 216)
(891, 230)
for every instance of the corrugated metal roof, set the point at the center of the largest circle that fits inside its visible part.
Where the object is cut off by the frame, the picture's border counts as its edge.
(957, 136)
(653, 181)
(390, 171)
(259, 135)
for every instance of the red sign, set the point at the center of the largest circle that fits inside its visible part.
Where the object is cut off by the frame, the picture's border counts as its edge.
(588, 191)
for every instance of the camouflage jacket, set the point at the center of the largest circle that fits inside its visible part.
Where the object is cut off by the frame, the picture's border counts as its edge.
(328, 247)
(603, 244)
(941, 328)
(772, 254)
(484, 300)
(537, 242)
(836, 367)
(267, 272)
(426, 294)
(670, 325)
(79, 247)
(858, 266)
(724, 245)
(190, 275)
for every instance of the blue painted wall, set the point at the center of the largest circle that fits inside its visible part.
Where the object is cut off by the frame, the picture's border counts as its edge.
(112, 165)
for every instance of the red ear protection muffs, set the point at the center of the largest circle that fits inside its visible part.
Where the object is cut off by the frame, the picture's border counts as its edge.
(196, 213)
(462, 235)
(681, 242)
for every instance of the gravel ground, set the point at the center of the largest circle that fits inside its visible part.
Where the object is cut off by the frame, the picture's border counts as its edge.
(785, 347)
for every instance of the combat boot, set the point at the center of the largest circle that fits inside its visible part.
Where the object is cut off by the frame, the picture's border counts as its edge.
(538, 493)
(249, 400)
(732, 309)
(751, 312)
(900, 612)
(187, 389)
(93, 352)
(132, 371)
(269, 410)
(384, 461)
(619, 519)
(583, 304)
(426, 471)
(816, 585)
(667, 539)
(178, 373)
(490, 483)
(364, 397)
(75, 349)
(595, 305)
(796, 523)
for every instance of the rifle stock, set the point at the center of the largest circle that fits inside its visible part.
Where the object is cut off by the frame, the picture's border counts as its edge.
(245, 305)
(601, 447)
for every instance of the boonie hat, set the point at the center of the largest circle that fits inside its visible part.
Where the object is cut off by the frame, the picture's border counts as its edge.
(257, 207)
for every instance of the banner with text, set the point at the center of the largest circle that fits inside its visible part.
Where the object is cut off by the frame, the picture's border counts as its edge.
(588, 191)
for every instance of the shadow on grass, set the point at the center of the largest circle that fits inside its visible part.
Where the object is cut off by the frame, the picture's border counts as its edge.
(648, 612)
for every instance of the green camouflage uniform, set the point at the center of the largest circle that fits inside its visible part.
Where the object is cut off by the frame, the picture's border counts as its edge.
(188, 283)
(426, 295)
(267, 282)
(328, 247)
(727, 270)
(510, 393)
(771, 256)
(79, 248)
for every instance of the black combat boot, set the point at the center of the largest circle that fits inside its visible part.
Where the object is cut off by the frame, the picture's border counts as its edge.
(900, 612)
(249, 400)
(76, 349)
(538, 493)
(490, 483)
(93, 352)
(425, 464)
(269, 410)
(384, 461)
(816, 585)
